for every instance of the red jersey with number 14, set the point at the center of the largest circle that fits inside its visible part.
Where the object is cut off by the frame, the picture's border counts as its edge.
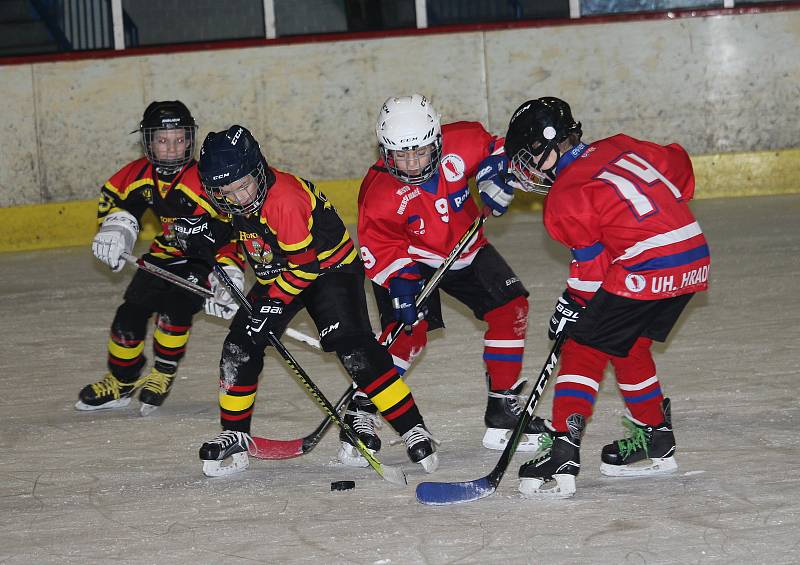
(621, 205)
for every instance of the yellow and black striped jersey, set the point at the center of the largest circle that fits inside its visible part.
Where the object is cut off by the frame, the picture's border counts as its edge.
(295, 237)
(137, 187)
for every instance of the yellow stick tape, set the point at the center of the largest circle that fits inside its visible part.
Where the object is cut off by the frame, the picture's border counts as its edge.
(43, 226)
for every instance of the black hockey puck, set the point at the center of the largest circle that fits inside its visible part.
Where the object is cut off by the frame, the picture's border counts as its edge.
(343, 485)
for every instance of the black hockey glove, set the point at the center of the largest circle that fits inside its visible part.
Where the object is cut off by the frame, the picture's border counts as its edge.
(567, 311)
(266, 312)
(198, 236)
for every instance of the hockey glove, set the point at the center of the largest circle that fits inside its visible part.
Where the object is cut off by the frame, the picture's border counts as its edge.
(567, 311)
(495, 191)
(222, 304)
(117, 234)
(404, 293)
(195, 236)
(266, 311)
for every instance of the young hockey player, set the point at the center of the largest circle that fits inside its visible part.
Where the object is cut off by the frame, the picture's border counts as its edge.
(639, 255)
(413, 207)
(303, 257)
(166, 181)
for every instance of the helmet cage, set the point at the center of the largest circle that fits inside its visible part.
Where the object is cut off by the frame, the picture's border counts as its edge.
(168, 166)
(525, 168)
(534, 133)
(229, 202)
(424, 173)
(169, 115)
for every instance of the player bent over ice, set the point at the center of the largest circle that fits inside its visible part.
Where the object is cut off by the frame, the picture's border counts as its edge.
(303, 257)
(166, 181)
(413, 207)
(639, 255)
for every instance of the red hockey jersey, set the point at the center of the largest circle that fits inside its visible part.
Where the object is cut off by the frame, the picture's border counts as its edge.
(400, 224)
(621, 205)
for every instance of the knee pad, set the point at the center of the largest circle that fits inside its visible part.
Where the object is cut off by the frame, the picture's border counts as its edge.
(364, 361)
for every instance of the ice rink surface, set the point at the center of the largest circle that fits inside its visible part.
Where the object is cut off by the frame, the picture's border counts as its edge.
(114, 487)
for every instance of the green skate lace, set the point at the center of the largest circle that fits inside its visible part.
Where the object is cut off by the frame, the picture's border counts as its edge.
(544, 447)
(636, 439)
(157, 382)
(110, 385)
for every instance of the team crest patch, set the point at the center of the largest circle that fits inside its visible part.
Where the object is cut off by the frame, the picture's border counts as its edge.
(260, 251)
(635, 283)
(453, 167)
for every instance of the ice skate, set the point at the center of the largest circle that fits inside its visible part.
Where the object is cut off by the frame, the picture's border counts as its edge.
(106, 394)
(552, 474)
(648, 450)
(421, 447)
(155, 389)
(502, 412)
(362, 416)
(227, 445)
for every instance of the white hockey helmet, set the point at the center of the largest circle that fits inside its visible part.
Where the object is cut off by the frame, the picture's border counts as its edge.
(408, 124)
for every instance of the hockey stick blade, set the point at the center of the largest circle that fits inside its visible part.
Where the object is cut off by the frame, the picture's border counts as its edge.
(265, 448)
(441, 493)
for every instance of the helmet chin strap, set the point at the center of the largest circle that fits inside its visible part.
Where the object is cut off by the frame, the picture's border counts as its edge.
(168, 172)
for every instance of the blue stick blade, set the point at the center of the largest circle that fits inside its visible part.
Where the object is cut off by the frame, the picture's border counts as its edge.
(452, 493)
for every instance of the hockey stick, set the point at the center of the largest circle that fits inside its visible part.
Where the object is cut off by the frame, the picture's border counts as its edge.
(389, 473)
(202, 291)
(436, 493)
(285, 449)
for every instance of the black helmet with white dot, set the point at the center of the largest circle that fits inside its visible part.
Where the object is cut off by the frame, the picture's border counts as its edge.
(536, 129)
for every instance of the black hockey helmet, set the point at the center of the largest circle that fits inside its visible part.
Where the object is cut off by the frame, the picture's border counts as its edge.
(168, 115)
(228, 157)
(536, 128)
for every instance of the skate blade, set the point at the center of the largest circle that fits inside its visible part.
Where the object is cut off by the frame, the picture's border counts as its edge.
(497, 439)
(430, 463)
(113, 405)
(643, 468)
(147, 409)
(350, 456)
(562, 486)
(238, 463)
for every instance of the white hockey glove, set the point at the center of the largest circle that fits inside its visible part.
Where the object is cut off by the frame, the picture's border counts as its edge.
(117, 233)
(222, 304)
(495, 191)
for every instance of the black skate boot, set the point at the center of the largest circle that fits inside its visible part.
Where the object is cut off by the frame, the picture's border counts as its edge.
(502, 412)
(362, 416)
(421, 447)
(155, 389)
(227, 444)
(558, 462)
(648, 450)
(107, 393)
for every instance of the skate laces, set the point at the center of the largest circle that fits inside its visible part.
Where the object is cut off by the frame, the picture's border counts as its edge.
(228, 438)
(111, 385)
(158, 382)
(637, 439)
(418, 434)
(544, 447)
(364, 422)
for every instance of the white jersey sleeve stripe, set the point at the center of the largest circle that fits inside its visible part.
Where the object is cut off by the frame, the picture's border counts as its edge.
(585, 286)
(395, 266)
